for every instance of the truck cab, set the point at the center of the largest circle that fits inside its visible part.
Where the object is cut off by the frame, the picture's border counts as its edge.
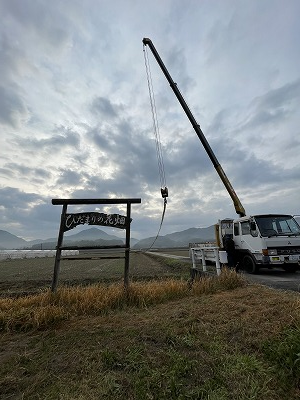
(266, 240)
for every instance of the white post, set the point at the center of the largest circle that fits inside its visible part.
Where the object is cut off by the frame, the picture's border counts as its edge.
(203, 259)
(193, 258)
(216, 251)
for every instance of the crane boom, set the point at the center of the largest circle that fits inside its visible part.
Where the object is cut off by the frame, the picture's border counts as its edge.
(237, 204)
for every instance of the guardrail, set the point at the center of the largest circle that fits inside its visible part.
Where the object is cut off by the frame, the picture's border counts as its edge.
(208, 253)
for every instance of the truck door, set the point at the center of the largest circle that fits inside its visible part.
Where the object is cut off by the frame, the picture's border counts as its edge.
(237, 235)
(243, 239)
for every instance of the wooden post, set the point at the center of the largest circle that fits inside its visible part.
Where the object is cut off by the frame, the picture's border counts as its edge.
(58, 248)
(127, 249)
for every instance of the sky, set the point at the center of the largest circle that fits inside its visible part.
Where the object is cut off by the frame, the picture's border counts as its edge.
(76, 122)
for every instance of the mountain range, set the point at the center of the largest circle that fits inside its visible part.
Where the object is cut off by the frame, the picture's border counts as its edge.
(97, 237)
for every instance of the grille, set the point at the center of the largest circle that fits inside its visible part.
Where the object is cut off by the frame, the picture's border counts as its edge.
(286, 250)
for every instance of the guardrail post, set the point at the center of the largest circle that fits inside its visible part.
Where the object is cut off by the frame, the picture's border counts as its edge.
(218, 267)
(203, 260)
(193, 258)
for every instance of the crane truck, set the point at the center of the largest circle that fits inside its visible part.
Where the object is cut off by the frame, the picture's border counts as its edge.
(264, 240)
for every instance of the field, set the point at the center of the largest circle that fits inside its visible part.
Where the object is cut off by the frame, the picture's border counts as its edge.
(219, 339)
(27, 276)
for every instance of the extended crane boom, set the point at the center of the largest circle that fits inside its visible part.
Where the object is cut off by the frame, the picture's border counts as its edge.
(237, 204)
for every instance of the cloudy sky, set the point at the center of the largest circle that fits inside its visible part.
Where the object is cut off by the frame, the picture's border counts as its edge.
(75, 114)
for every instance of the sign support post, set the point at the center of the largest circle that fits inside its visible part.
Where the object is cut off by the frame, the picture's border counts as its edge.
(127, 249)
(58, 248)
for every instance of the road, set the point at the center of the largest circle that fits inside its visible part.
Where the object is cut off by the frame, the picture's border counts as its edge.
(275, 278)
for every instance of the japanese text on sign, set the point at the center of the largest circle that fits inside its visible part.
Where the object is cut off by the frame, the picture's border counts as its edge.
(94, 218)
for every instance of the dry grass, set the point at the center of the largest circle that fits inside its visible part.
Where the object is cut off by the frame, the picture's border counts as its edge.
(163, 339)
(46, 309)
(192, 346)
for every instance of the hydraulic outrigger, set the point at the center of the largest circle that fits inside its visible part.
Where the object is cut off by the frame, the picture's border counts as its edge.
(237, 204)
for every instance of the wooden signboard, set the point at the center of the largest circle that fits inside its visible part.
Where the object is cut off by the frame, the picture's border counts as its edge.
(95, 218)
(69, 221)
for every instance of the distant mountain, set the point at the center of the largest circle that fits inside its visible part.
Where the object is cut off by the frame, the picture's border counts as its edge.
(91, 234)
(161, 242)
(9, 241)
(192, 235)
(95, 236)
(179, 239)
(88, 237)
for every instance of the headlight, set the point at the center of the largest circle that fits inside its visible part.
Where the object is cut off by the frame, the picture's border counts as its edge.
(272, 252)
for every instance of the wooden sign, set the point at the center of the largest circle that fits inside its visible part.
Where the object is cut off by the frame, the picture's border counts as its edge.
(94, 218)
(70, 221)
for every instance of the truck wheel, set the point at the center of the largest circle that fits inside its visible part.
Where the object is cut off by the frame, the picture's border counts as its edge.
(249, 265)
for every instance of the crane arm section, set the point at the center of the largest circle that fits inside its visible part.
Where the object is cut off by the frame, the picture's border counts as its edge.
(237, 204)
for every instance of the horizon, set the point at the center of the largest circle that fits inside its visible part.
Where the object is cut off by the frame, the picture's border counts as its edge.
(88, 227)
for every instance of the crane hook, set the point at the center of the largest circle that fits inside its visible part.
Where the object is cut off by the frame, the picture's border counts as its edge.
(164, 192)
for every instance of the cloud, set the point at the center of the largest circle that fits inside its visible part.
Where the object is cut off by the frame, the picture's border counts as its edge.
(62, 138)
(38, 174)
(12, 109)
(76, 121)
(13, 198)
(176, 60)
(104, 107)
(70, 178)
(274, 107)
(39, 20)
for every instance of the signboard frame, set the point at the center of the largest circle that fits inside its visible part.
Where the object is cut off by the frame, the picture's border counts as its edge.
(69, 221)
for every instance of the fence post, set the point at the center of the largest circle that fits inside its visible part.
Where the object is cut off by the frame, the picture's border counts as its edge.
(193, 258)
(216, 251)
(203, 259)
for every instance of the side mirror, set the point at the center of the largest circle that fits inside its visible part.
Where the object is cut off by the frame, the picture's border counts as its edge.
(253, 230)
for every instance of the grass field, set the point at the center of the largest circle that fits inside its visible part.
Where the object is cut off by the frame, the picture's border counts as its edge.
(26, 276)
(221, 339)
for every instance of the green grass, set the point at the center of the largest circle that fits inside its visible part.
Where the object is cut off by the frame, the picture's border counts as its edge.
(284, 351)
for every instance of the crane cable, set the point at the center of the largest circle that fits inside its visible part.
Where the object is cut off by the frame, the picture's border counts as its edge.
(161, 168)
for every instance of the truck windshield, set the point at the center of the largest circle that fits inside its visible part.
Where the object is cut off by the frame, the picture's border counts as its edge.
(275, 225)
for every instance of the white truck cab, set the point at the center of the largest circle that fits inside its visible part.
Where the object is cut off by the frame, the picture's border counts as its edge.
(266, 240)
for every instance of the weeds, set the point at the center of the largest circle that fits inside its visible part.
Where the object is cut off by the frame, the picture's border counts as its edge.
(47, 309)
(193, 347)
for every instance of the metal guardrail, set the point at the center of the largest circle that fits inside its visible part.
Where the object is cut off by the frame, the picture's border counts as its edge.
(208, 253)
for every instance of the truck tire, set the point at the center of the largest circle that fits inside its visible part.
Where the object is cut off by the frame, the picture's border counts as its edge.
(249, 265)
